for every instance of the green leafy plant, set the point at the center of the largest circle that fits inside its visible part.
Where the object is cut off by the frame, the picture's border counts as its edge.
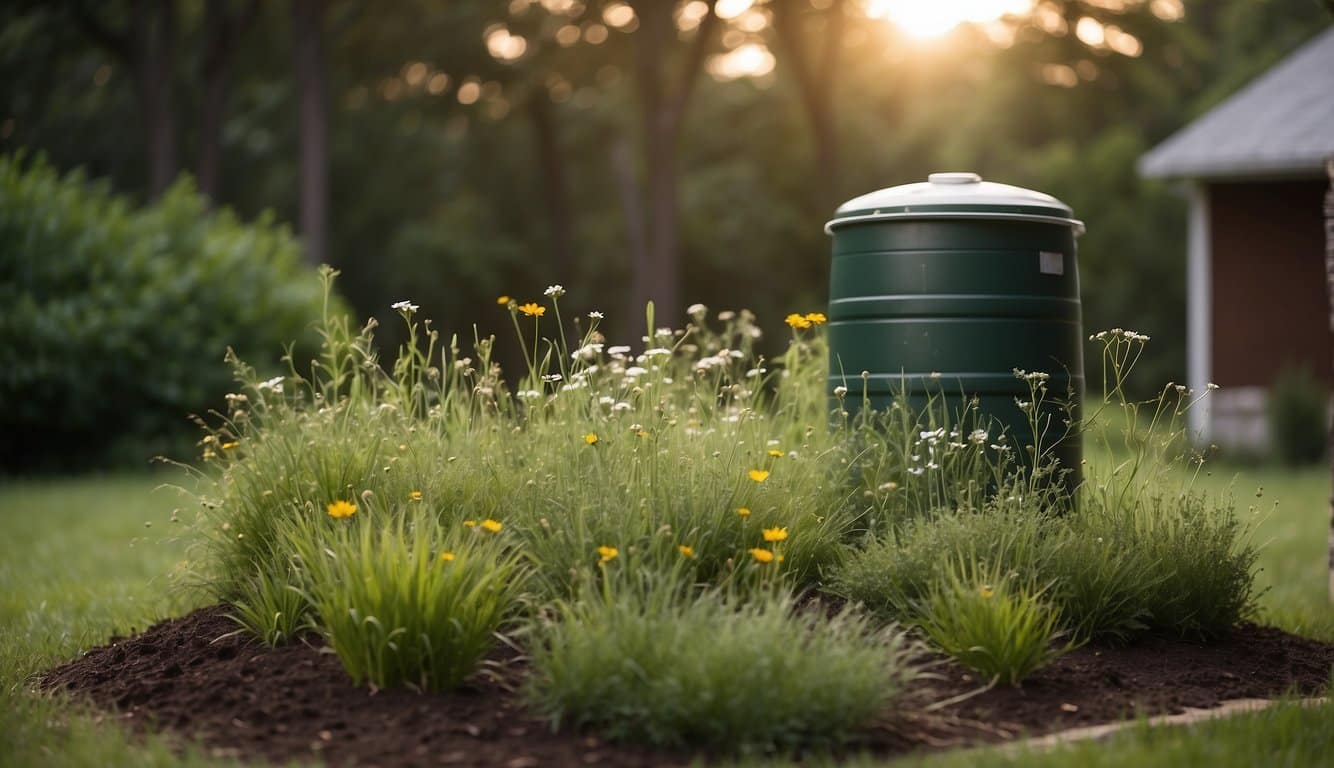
(403, 600)
(117, 319)
(272, 607)
(1298, 408)
(991, 621)
(642, 664)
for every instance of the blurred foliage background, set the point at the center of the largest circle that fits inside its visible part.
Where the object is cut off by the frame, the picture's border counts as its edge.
(449, 151)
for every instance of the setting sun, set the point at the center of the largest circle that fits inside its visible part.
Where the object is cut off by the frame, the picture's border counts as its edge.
(934, 18)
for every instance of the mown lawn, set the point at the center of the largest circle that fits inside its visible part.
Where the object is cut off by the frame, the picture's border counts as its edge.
(84, 559)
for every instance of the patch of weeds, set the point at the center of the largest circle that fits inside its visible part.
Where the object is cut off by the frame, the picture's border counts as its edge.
(642, 664)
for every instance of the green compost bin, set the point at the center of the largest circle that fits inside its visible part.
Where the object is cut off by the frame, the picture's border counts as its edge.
(944, 288)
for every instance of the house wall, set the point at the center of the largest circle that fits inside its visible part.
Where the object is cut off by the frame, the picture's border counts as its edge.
(1267, 291)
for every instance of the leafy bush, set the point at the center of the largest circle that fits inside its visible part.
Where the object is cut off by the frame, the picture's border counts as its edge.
(1298, 416)
(645, 665)
(401, 599)
(117, 319)
(991, 621)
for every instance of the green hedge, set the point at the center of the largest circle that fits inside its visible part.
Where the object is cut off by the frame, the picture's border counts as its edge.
(114, 320)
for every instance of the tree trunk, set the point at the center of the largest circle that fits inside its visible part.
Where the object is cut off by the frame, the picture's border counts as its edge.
(555, 191)
(816, 84)
(656, 272)
(147, 48)
(155, 30)
(308, 50)
(1329, 285)
(222, 30)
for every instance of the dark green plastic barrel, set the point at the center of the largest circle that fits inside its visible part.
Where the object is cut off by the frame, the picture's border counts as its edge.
(945, 289)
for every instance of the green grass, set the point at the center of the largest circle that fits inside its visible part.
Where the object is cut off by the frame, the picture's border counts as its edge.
(77, 565)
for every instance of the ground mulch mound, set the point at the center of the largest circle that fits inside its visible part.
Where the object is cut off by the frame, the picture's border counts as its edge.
(195, 677)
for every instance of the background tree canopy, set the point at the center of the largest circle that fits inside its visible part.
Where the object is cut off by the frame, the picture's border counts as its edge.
(679, 151)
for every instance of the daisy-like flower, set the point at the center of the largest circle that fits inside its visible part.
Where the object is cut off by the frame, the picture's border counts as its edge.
(503, 300)
(607, 554)
(340, 509)
(415, 496)
(797, 321)
(744, 511)
(986, 591)
(532, 310)
(493, 526)
(447, 557)
(816, 318)
(554, 291)
(687, 551)
(762, 555)
(406, 307)
(470, 523)
(774, 452)
(758, 475)
(775, 534)
(591, 438)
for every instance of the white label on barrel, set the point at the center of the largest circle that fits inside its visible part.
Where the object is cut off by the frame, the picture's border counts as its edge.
(1051, 263)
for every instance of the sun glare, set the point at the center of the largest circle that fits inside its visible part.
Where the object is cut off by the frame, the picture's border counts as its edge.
(925, 19)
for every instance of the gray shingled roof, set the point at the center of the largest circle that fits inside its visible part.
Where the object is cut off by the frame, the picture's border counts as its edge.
(1280, 124)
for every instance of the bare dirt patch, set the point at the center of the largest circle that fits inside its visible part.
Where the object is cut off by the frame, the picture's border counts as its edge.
(295, 703)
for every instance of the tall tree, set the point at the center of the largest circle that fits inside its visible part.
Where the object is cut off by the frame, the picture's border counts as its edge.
(313, 107)
(222, 29)
(663, 100)
(815, 68)
(146, 46)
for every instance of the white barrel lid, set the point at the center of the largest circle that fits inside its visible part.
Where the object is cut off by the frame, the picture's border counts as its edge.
(955, 195)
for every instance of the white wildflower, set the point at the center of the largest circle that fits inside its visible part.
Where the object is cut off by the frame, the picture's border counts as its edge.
(405, 307)
(554, 291)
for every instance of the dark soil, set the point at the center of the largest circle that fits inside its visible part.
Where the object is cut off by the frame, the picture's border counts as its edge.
(295, 703)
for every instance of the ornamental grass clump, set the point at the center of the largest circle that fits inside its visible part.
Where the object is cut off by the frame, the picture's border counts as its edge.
(642, 664)
(403, 600)
(991, 621)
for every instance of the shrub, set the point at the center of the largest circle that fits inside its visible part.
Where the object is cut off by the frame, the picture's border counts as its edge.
(1298, 416)
(117, 319)
(991, 621)
(1198, 566)
(645, 665)
(401, 599)
(1101, 582)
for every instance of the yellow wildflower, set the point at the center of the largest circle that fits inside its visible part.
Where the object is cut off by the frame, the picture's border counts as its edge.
(775, 534)
(341, 509)
(986, 591)
(774, 452)
(493, 526)
(797, 321)
(687, 551)
(816, 318)
(532, 310)
(591, 438)
(503, 300)
(744, 511)
(415, 496)
(607, 554)
(470, 523)
(641, 433)
(229, 446)
(762, 555)
(447, 557)
(758, 475)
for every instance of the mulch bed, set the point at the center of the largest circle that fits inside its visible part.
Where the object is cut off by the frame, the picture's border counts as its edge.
(243, 700)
